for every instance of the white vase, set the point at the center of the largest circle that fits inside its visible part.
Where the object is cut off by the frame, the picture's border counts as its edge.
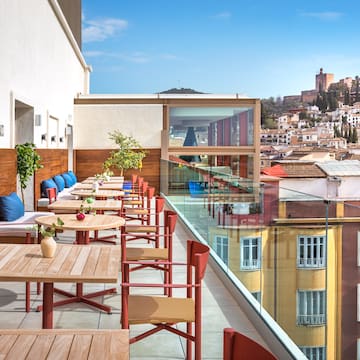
(48, 247)
(95, 186)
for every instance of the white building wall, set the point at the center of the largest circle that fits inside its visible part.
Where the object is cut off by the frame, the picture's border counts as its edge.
(295, 188)
(347, 189)
(94, 123)
(38, 66)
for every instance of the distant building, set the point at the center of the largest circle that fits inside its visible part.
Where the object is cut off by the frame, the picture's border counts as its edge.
(323, 81)
(290, 99)
(308, 96)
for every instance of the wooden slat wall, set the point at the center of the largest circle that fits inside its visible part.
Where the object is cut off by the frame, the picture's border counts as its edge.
(55, 161)
(89, 162)
(7, 171)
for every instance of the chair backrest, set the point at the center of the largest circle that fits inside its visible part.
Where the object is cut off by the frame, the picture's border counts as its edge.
(170, 219)
(150, 192)
(133, 178)
(197, 256)
(144, 187)
(149, 195)
(51, 194)
(159, 204)
(238, 346)
(139, 181)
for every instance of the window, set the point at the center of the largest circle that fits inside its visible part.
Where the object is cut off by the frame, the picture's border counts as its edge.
(211, 126)
(250, 253)
(311, 307)
(311, 251)
(221, 247)
(314, 353)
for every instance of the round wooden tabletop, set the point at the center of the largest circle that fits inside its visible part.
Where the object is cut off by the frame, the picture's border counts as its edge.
(99, 193)
(107, 186)
(91, 222)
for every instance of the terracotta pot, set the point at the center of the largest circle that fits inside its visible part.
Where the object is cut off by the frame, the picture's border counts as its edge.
(48, 247)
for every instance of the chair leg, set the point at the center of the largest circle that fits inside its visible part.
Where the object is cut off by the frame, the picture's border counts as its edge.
(124, 303)
(27, 296)
(188, 341)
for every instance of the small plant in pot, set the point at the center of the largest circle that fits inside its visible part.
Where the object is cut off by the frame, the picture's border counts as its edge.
(50, 231)
(48, 244)
(80, 215)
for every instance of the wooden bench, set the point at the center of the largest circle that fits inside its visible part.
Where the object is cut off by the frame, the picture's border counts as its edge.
(63, 344)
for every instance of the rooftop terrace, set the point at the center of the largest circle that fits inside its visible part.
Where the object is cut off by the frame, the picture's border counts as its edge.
(220, 310)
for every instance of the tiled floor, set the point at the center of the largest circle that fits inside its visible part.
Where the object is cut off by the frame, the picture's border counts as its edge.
(219, 310)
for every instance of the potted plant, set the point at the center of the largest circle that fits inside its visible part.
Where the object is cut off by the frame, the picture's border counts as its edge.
(129, 155)
(28, 161)
(48, 244)
(80, 215)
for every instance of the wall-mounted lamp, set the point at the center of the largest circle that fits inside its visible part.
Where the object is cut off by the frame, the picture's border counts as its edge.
(2, 130)
(43, 137)
(61, 139)
(38, 120)
(53, 138)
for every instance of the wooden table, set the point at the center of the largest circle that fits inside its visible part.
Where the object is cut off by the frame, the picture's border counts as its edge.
(111, 181)
(71, 206)
(107, 186)
(19, 344)
(74, 205)
(103, 194)
(112, 178)
(71, 263)
(82, 228)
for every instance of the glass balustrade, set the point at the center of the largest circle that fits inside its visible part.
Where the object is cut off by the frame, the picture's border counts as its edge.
(284, 245)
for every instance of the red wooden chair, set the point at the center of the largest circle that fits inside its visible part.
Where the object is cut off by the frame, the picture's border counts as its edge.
(142, 213)
(137, 196)
(134, 178)
(238, 346)
(158, 258)
(164, 313)
(144, 231)
(51, 194)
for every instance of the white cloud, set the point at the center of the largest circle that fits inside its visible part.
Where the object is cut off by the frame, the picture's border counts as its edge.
(168, 56)
(324, 15)
(137, 57)
(100, 30)
(222, 15)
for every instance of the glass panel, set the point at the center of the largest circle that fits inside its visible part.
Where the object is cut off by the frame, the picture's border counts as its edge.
(230, 172)
(212, 126)
(274, 245)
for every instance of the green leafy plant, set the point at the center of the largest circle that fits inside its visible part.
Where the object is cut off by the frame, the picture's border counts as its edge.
(50, 231)
(28, 161)
(129, 155)
(86, 209)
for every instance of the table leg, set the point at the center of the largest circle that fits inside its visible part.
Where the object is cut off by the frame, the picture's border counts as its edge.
(48, 304)
(82, 238)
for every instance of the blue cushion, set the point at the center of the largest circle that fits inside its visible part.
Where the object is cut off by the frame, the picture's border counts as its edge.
(60, 182)
(11, 207)
(45, 184)
(73, 176)
(69, 182)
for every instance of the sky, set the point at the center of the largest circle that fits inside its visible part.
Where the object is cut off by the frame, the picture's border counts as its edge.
(259, 49)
